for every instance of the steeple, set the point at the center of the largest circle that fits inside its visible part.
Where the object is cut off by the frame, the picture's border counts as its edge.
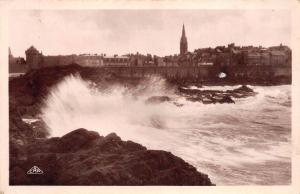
(183, 42)
(10, 56)
(183, 31)
(9, 51)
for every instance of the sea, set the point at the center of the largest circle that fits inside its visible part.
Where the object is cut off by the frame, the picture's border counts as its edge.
(246, 143)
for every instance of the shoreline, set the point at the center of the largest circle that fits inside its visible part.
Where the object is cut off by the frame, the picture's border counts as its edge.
(263, 76)
(60, 157)
(28, 91)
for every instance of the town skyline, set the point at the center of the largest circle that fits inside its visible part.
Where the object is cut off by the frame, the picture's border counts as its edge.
(155, 32)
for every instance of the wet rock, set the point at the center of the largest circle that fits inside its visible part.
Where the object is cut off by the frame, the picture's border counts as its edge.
(82, 157)
(243, 88)
(112, 137)
(20, 176)
(39, 129)
(106, 161)
(157, 99)
(226, 99)
(77, 139)
(216, 96)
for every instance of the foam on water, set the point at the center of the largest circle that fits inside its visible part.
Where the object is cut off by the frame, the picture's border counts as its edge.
(228, 142)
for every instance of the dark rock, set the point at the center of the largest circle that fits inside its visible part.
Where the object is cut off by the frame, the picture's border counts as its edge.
(243, 88)
(77, 139)
(216, 96)
(39, 129)
(157, 99)
(107, 161)
(20, 176)
(112, 137)
(82, 157)
(226, 99)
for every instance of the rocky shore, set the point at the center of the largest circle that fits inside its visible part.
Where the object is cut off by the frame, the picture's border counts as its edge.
(84, 157)
(216, 96)
(81, 157)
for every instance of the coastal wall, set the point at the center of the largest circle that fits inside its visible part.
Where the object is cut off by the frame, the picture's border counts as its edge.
(18, 68)
(204, 72)
(207, 73)
(260, 74)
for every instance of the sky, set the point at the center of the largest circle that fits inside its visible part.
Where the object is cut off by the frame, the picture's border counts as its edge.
(156, 32)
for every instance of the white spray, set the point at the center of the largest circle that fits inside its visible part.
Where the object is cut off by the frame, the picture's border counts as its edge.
(219, 139)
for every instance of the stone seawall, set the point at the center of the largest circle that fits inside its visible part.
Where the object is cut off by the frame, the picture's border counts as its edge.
(209, 74)
(167, 72)
(260, 74)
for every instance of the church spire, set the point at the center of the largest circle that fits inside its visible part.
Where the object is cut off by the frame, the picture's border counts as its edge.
(183, 42)
(9, 51)
(183, 31)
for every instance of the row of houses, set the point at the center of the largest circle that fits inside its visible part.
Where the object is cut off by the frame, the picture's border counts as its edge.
(229, 55)
(221, 56)
(237, 56)
(35, 59)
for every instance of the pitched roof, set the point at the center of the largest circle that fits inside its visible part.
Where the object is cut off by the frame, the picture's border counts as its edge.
(32, 49)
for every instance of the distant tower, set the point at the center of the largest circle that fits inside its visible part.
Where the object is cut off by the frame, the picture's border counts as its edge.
(10, 57)
(9, 52)
(183, 42)
(33, 58)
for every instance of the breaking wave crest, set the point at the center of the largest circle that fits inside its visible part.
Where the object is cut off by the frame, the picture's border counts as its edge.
(244, 143)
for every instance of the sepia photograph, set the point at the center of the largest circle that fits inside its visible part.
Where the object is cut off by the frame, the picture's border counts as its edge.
(149, 97)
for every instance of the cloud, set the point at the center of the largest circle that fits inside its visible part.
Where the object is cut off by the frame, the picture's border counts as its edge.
(145, 31)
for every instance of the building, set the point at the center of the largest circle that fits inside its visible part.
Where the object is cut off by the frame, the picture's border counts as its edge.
(116, 60)
(171, 60)
(16, 64)
(220, 56)
(278, 58)
(183, 42)
(273, 56)
(87, 60)
(34, 58)
(254, 58)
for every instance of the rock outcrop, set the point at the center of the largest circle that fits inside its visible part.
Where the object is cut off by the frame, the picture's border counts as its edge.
(226, 99)
(243, 88)
(83, 157)
(216, 96)
(157, 99)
